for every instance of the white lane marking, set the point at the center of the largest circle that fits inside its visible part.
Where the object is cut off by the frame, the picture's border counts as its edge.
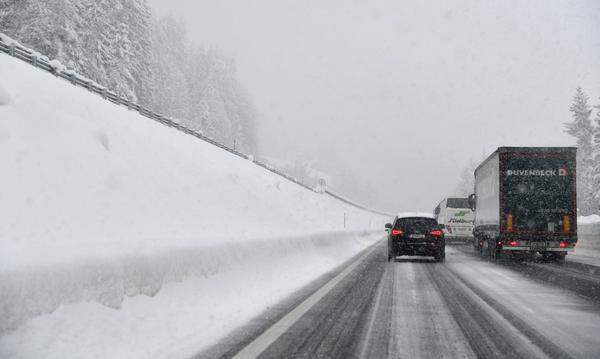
(268, 337)
(382, 283)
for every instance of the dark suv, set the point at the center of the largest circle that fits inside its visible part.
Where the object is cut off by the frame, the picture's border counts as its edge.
(415, 234)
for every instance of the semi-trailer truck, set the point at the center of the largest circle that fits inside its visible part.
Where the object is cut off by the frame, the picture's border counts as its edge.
(525, 202)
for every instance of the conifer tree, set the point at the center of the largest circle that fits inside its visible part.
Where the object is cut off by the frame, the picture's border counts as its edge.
(595, 168)
(581, 128)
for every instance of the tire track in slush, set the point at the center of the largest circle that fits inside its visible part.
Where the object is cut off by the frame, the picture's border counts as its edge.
(491, 328)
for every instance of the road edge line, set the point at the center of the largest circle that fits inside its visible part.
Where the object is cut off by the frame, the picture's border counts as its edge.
(269, 336)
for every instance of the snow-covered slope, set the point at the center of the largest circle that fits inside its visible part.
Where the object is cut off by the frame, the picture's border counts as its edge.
(85, 171)
(588, 235)
(100, 205)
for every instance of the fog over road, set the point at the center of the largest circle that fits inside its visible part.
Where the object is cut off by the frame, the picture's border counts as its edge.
(464, 308)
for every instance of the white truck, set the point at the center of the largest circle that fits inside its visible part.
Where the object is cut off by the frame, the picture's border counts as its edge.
(456, 219)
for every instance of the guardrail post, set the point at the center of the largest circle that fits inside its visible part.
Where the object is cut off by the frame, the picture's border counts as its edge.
(34, 60)
(104, 91)
(11, 49)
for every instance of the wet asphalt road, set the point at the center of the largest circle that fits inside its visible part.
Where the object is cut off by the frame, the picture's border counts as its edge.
(415, 308)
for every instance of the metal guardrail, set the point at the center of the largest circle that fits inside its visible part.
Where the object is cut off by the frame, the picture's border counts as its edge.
(42, 62)
(341, 198)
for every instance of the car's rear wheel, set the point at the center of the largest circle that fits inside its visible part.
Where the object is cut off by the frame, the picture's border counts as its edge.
(440, 255)
(390, 255)
(559, 257)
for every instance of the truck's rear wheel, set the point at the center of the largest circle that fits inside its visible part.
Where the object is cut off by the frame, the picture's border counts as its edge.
(494, 255)
(493, 251)
(481, 247)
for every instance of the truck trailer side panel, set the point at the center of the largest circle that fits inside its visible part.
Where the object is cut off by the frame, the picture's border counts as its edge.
(487, 190)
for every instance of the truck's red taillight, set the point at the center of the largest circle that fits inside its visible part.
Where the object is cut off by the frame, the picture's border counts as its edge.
(437, 233)
(566, 224)
(397, 232)
(509, 222)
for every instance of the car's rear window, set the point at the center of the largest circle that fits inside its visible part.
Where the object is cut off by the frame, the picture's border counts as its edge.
(457, 203)
(416, 224)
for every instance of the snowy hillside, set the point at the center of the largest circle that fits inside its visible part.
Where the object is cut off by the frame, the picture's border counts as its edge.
(103, 209)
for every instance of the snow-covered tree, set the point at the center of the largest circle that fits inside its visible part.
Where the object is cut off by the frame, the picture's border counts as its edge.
(595, 165)
(169, 93)
(106, 40)
(581, 128)
(466, 180)
(118, 44)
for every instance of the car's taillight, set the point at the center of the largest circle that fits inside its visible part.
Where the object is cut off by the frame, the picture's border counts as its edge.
(513, 243)
(563, 244)
(397, 232)
(437, 233)
(566, 224)
(509, 222)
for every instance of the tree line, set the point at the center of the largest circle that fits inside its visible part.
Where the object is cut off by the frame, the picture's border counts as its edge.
(585, 127)
(120, 44)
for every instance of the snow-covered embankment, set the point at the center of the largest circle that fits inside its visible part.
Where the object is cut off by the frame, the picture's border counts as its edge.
(120, 237)
(588, 233)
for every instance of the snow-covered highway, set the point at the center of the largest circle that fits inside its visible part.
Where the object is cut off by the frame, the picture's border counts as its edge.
(129, 234)
(466, 307)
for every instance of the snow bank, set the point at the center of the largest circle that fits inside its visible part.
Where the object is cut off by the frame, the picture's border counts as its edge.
(92, 179)
(594, 218)
(4, 97)
(109, 280)
(107, 208)
(193, 293)
(588, 235)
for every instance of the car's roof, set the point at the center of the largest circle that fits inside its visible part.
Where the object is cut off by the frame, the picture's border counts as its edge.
(415, 214)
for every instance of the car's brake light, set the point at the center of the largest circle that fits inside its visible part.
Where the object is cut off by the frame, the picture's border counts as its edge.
(563, 244)
(397, 232)
(437, 233)
(513, 243)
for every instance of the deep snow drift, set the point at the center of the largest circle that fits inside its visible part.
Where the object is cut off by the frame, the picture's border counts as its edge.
(115, 227)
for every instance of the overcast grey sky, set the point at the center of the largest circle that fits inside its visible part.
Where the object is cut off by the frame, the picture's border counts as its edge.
(403, 94)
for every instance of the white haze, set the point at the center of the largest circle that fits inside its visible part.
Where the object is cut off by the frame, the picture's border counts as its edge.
(399, 96)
